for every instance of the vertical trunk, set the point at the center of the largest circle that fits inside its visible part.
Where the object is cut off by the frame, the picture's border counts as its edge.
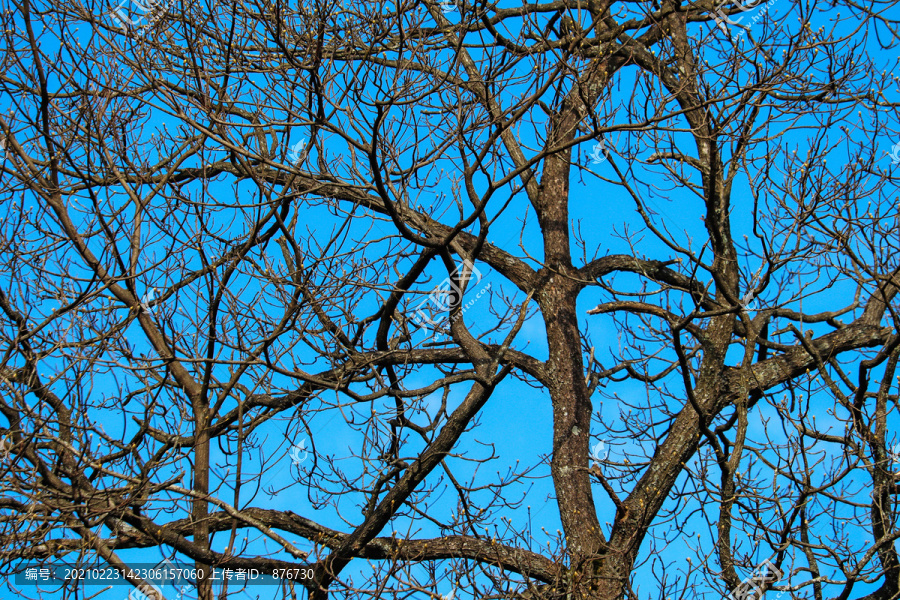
(568, 391)
(571, 434)
(200, 508)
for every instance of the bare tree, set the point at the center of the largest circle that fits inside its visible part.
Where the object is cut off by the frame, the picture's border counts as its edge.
(281, 282)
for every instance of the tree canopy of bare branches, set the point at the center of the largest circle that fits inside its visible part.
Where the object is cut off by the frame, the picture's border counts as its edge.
(560, 300)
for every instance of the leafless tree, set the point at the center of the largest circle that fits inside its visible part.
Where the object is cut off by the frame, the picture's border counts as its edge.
(573, 299)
